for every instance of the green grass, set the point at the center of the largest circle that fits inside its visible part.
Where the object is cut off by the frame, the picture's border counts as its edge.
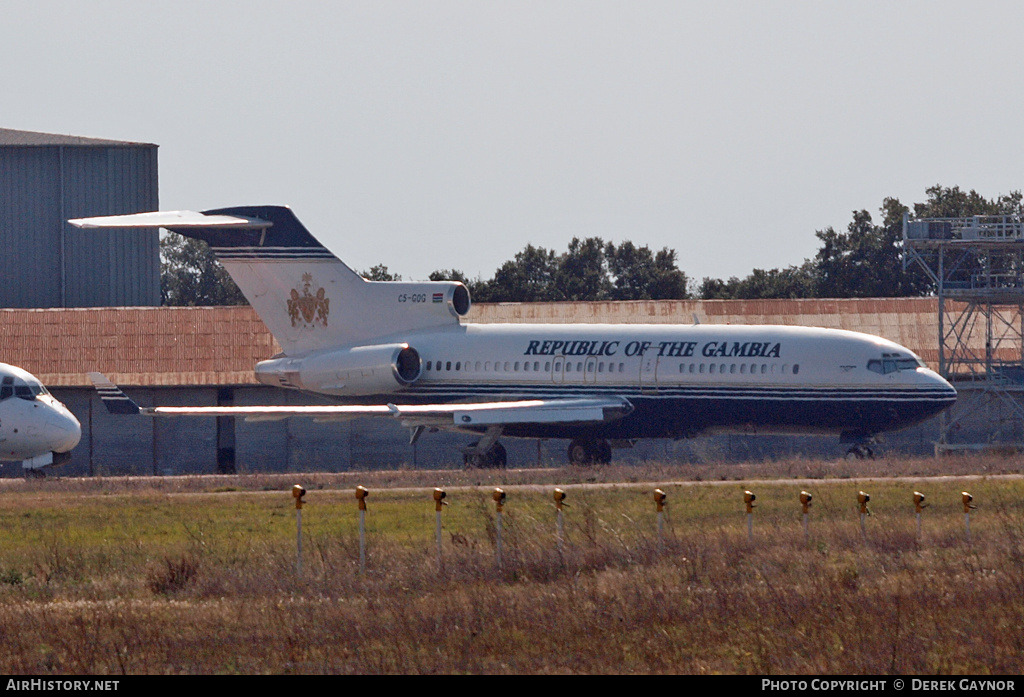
(198, 575)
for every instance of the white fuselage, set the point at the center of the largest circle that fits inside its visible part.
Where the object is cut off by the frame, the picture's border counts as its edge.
(681, 378)
(33, 424)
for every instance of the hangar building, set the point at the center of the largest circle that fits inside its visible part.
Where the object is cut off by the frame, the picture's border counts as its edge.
(46, 179)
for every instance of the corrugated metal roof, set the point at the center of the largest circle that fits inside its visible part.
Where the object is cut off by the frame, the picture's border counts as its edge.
(10, 136)
(167, 346)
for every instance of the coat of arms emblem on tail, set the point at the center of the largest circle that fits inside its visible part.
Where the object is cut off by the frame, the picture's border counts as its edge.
(311, 307)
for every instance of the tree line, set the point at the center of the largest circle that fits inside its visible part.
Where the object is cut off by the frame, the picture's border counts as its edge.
(863, 261)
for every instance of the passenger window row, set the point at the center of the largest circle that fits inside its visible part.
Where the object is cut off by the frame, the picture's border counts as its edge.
(524, 366)
(606, 367)
(740, 368)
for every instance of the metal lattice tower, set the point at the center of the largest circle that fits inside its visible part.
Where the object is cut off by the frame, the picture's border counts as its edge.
(977, 266)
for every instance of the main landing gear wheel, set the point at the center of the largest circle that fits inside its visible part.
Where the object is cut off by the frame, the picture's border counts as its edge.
(860, 452)
(494, 458)
(585, 451)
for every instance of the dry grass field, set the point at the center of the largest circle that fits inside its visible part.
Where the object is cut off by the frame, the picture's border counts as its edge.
(200, 575)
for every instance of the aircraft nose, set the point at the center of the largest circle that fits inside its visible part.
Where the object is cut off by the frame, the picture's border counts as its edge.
(943, 388)
(67, 431)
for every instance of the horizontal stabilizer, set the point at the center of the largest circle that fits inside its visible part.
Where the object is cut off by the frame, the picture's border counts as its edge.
(266, 228)
(116, 401)
(172, 220)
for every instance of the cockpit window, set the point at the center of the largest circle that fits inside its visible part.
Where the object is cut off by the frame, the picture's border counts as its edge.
(11, 386)
(893, 362)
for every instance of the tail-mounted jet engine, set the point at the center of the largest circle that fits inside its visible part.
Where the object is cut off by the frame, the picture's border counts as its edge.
(361, 370)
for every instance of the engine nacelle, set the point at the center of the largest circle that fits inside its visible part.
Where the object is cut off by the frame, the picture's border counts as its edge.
(361, 370)
(439, 296)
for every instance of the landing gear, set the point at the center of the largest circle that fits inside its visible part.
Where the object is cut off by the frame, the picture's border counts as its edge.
(494, 458)
(861, 451)
(862, 445)
(590, 451)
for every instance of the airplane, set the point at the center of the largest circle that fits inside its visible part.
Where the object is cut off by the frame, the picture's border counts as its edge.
(401, 349)
(35, 428)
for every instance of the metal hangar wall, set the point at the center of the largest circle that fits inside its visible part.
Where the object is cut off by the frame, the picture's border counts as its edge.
(46, 179)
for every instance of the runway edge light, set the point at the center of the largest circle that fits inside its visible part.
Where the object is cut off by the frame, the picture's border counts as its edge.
(863, 498)
(660, 500)
(439, 498)
(805, 501)
(966, 499)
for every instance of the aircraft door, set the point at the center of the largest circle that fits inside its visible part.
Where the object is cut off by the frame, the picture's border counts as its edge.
(649, 371)
(558, 369)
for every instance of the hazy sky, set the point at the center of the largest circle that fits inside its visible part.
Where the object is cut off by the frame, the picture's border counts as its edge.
(439, 134)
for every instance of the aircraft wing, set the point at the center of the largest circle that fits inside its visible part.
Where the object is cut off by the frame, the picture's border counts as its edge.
(466, 416)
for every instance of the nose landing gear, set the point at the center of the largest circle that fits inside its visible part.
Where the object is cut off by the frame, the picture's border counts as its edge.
(860, 451)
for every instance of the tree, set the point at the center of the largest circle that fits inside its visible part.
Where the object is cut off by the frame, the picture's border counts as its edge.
(640, 275)
(379, 272)
(190, 275)
(582, 273)
(588, 270)
(449, 275)
(717, 289)
(866, 261)
(478, 290)
(789, 283)
(527, 278)
(951, 202)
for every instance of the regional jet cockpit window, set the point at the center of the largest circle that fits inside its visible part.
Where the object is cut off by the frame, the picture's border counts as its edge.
(893, 362)
(11, 386)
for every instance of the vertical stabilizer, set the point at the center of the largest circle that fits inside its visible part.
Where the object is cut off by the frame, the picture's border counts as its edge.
(308, 298)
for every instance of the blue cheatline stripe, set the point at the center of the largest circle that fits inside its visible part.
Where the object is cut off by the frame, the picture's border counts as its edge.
(272, 253)
(741, 393)
(718, 390)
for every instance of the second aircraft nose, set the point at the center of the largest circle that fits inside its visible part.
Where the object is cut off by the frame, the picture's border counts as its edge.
(65, 429)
